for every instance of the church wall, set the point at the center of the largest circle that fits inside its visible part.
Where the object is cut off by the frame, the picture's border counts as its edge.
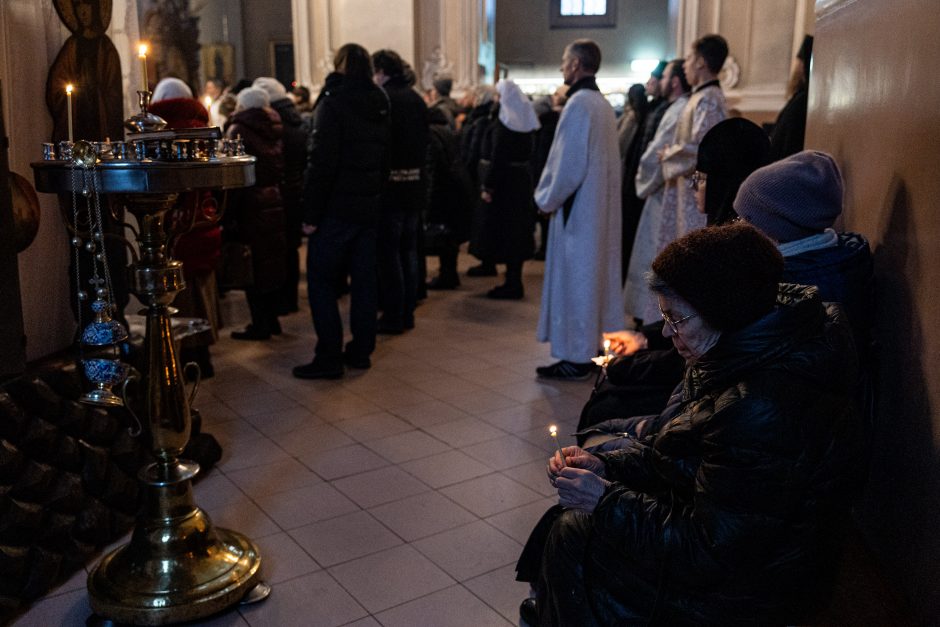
(31, 35)
(263, 23)
(874, 98)
(530, 48)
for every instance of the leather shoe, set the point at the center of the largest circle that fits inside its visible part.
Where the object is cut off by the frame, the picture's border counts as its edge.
(318, 370)
(354, 361)
(506, 292)
(251, 332)
(529, 612)
(482, 270)
(444, 283)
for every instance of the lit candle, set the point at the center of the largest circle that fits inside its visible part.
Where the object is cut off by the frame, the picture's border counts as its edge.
(208, 102)
(68, 107)
(606, 348)
(142, 55)
(553, 430)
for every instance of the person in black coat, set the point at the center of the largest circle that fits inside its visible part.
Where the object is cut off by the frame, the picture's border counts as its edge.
(789, 131)
(471, 141)
(255, 214)
(403, 198)
(295, 162)
(548, 122)
(346, 174)
(450, 195)
(734, 511)
(506, 207)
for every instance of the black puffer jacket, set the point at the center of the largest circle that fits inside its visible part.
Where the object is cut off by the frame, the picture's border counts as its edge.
(295, 162)
(348, 156)
(733, 513)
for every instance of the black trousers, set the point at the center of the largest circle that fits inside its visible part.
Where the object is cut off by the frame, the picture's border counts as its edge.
(335, 248)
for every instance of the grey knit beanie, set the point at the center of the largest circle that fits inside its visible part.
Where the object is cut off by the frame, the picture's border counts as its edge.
(792, 198)
(272, 87)
(252, 98)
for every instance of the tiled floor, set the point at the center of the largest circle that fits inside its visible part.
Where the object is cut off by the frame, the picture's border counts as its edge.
(400, 495)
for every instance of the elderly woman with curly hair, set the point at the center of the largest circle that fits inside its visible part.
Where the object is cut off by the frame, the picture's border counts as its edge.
(732, 512)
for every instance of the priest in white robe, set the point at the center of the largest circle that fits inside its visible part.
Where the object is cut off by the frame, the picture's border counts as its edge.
(580, 189)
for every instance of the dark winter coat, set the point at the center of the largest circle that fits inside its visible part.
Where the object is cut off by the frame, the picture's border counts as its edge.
(295, 162)
(199, 249)
(508, 222)
(348, 161)
(450, 193)
(408, 148)
(471, 139)
(255, 215)
(733, 512)
(789, 131)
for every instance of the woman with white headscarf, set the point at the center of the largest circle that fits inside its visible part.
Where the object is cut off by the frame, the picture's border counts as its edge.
(508, 215)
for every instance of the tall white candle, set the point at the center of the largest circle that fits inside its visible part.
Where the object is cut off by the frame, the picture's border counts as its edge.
(68, 107)
(553, 430)
(142, 55)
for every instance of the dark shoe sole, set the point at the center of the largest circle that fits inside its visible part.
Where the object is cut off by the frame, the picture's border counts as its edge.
(301, 372)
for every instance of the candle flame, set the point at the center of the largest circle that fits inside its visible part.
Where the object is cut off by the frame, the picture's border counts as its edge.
(553, 430)
(606, 345)
(142, 50)
(208, 101)
(69, 88)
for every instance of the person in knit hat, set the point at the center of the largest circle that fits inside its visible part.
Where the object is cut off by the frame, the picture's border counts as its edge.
(796, 197)
(747, 483)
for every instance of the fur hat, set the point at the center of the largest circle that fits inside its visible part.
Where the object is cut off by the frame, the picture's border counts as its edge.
(252, 98)
(272, 87)
(792, 198)
(171, 88)
(729, 274)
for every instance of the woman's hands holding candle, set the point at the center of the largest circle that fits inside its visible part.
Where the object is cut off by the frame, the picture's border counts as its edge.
(580, 479)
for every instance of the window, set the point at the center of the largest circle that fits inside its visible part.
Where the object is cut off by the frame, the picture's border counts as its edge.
(583, 14)
(583, 7)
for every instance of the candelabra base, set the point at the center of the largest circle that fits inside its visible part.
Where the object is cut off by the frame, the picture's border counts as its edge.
(177, 566)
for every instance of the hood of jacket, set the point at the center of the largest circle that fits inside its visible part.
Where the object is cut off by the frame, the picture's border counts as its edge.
(263, 121)
(288, 111)
(362, 97)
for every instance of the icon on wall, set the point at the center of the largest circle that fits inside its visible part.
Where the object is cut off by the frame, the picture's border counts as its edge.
(218, 61)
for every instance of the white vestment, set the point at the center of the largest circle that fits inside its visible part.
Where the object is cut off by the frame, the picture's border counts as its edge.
(672, 212)
(581, 294)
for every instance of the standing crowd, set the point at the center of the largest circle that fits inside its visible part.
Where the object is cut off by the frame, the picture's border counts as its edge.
(720, 451)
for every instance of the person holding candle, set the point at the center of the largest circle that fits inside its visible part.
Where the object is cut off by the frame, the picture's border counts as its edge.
(200, 248)
(733, 512)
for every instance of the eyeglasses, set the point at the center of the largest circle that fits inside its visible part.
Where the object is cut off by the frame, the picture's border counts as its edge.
(674, 324)
(697, 179)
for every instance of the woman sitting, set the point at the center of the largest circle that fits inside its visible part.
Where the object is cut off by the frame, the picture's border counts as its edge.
(733, 511)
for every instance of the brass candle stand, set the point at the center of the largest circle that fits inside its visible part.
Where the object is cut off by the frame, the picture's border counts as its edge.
(177, 566)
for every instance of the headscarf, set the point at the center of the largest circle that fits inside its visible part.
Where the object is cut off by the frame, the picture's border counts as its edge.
(170, 88)
(272, 87)
(728, 153)
(252, 98)
(515, 111)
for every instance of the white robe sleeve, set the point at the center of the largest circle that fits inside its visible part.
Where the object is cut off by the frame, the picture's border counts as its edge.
(680, 159)
(649, 175)
(566, 167)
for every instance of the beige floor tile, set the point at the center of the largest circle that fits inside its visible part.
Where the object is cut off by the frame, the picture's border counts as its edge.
(470, 550)
(342, 462)
(302, 506)
(500, 590)
(284, 421)
(504, 452)
(344, 538)
(376, 487)
(407, 446)
(314, 600)
(422, 515)
(465, 432)
(429, 413)
(454, 607)
(283, 559)
(490, 495)
(258, 451)
(372, 426)
(446, 468)
(533, 475)
(71, 608)
(243, 516)
(263, 481)
(390, 578)
(309, 440)
(482, 402)
(518, 523)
